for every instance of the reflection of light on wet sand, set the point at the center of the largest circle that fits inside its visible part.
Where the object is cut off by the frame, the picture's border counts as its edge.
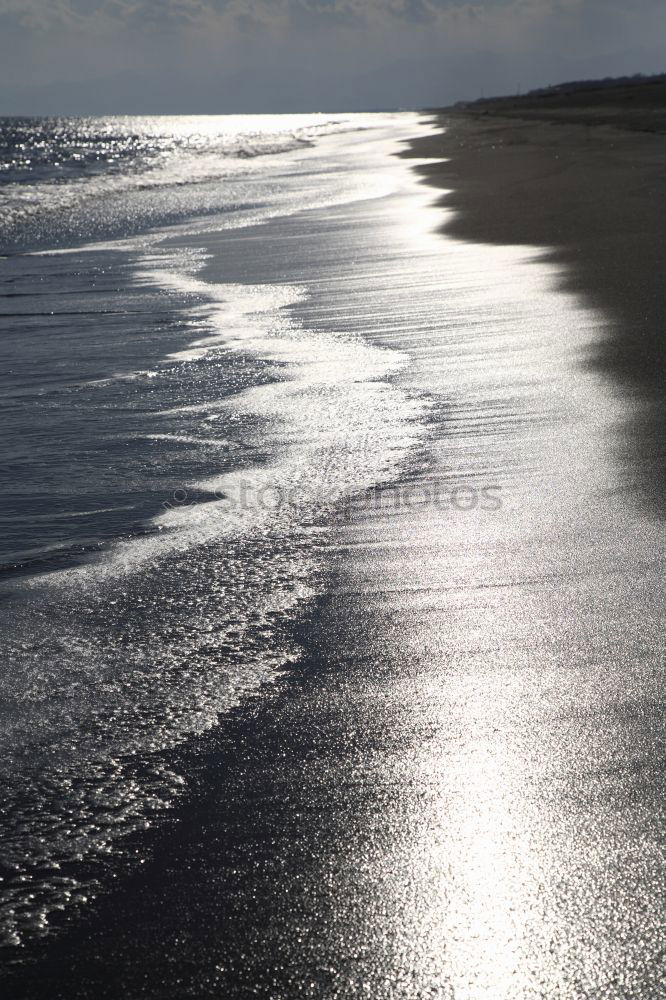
(463, 877)
(487, 913)
(518, 695)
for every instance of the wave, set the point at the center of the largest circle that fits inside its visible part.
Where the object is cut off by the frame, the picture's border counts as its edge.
(48, 179)
(115, 661)
(146, 645)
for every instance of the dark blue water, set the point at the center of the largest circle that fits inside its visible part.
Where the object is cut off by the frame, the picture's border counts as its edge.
(89, 454)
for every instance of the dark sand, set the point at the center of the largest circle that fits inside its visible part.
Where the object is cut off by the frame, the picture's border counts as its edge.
(560, 175)
(461, 783)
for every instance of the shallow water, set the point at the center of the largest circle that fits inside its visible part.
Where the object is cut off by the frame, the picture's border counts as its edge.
(63, 180)
(173, 449)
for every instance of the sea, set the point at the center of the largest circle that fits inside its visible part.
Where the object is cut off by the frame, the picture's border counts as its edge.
(176, 436)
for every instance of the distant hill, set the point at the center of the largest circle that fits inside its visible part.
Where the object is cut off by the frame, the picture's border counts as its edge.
(635, 102)
(607, 83)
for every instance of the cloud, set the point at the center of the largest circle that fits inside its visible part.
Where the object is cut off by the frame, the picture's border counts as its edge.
(313, 52)
(94, 15)
(35, 15)
(169, 14)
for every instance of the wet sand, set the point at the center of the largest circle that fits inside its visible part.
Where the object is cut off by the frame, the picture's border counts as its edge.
(458, 792)
(586, 179)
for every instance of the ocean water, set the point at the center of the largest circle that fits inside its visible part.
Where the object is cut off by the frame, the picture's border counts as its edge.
(172, 450)
(67, 179)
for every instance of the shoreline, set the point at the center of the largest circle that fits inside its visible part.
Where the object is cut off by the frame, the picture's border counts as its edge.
(594, 197)
(230, 267)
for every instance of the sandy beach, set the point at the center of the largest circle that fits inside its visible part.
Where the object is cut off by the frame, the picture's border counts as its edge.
(584, 178)
(457, 791)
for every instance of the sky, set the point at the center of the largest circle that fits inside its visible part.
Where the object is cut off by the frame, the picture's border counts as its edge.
(236, 56)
